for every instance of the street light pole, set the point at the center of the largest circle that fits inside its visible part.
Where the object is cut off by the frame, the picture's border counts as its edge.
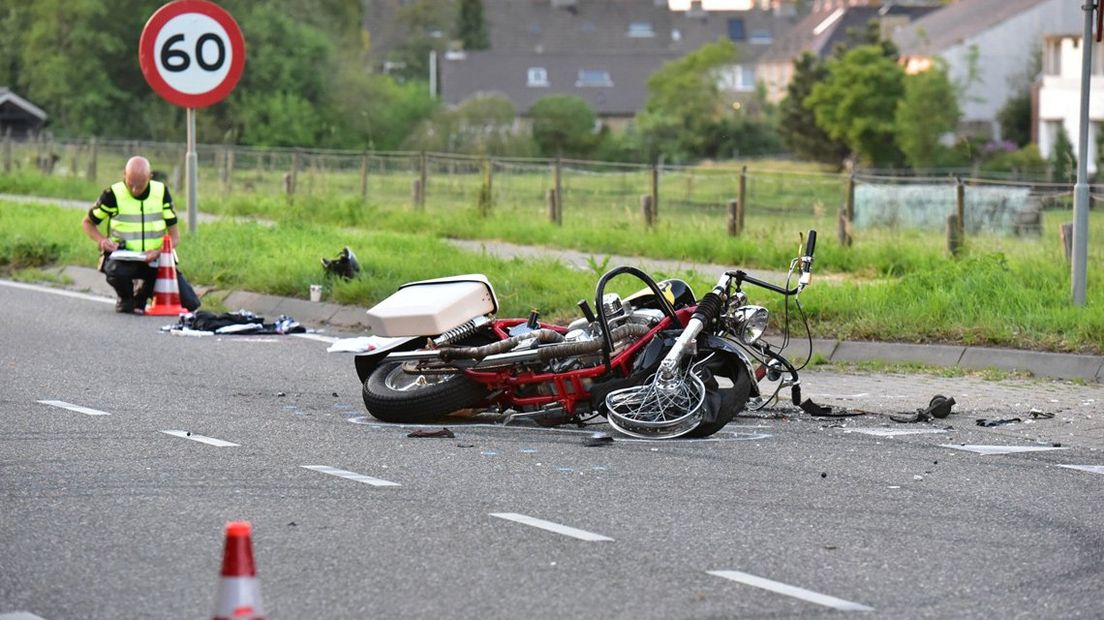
(1081, 189)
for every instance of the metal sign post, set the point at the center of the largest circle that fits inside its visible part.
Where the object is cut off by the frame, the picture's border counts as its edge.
(1081, 189)
(192, 53)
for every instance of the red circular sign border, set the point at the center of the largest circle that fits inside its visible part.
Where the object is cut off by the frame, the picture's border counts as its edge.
(147, 59)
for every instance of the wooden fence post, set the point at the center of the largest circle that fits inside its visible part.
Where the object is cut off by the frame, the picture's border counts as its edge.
(733, 219)
(954, 241)
(552, 206)
(655, 194)
(364, 176)
(292, 177)
(1065, 234)
(7, 150)
(647, 208)
(423, 180)
(741, 200)
(93, 152)
(960, 207)
(558, 184)
(845, 229)
(485, 195)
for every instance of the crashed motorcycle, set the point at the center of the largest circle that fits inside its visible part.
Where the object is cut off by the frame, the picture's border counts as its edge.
(657, 364)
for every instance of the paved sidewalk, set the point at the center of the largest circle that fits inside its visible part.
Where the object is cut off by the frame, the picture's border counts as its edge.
(351, 320)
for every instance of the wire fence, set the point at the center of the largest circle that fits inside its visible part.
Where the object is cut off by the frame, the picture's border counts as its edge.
(737, 197)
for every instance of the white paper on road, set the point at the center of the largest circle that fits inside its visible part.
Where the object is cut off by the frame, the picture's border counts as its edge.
(1000, 449)
(1092, 469)
(893, 432)
(557, 528)
(349, 475)
(218, 443)
(72, 407)
(788, 590)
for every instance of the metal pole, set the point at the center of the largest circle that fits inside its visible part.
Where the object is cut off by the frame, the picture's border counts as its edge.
(1081, 189)
(190, 173)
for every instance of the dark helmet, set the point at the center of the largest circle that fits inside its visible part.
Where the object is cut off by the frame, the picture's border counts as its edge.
(345, 265)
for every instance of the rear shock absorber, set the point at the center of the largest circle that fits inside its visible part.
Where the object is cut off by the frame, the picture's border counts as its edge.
(461, 331)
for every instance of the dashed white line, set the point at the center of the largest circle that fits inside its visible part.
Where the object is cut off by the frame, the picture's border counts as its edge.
(63, 293)
(318, 337)
(1092, 469)
(788, 590)
(218, 443)
(71, 407)
(893, 432)
(20, 615)
(349, 475)
(550, 526)
(999, 449)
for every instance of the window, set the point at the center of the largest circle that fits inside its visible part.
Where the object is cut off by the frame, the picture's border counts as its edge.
(593, 77)
(640, 30)
(761, 37)
(736, 29)
(538, 77)
(736, 78)
(676, 35)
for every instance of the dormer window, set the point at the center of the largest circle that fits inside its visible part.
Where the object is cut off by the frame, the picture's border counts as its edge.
(736, 29)
(538, 77)
(593, 77)
(640, 30)
(761, 37)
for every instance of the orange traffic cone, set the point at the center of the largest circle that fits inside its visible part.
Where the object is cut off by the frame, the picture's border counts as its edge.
(239, 596)
(166, 291)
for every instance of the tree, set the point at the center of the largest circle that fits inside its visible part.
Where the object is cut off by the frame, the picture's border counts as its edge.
(563, 125)
(683, 99)
(479, 125)
(1063, 163)
(797, 126)
(425, 24)
(1015, 118)
(927, 111)
(857, 102)
(471, 28)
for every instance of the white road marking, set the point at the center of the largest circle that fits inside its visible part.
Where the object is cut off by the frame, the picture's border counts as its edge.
(20, 615)
(218, 443)
(550, 526)
(734, 435)
(788, 590)
(55, 291)
(893, 432)
(341, 473)
(1092, 469)
(72, 407)
(318, 337)
(1000, 449)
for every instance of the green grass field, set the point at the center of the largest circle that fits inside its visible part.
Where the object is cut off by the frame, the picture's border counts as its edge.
(891, 284)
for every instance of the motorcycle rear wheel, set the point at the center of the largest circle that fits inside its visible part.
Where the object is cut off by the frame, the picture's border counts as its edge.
(392, 395)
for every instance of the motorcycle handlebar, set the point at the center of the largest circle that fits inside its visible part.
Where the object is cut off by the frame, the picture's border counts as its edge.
(742, 277)
(810, 245)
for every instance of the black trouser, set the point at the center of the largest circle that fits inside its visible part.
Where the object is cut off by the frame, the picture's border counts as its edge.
(123, 274)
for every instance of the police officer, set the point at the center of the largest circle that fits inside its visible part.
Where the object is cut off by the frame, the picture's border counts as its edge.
(139, 212)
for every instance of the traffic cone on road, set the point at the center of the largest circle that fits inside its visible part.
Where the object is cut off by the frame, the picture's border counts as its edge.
(239, 595)
(166, 291)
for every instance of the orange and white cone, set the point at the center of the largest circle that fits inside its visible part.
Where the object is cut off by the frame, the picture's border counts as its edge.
(166, 291)
(239, 595)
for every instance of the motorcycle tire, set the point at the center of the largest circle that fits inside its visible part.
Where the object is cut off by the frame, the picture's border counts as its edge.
(733, 398)
(391, 401)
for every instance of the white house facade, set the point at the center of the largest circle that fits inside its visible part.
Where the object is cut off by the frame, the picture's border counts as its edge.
(1059, 98)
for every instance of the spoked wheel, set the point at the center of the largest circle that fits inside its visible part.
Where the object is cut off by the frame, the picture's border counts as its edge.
(393, 395)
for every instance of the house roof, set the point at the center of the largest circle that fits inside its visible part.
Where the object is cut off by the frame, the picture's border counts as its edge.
(7, 97)
(507, 73)
(819, 32)
(956, 22)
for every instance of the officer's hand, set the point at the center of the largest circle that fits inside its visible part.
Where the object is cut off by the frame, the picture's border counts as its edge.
(152, 255)
(108, 245)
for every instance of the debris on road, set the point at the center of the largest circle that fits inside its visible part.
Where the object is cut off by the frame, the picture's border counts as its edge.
(598, 439)
(444, 432)
(827, 411)
(938, 407)
(985, 422)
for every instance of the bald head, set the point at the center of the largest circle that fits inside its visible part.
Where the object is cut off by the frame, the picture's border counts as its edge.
(136, 175)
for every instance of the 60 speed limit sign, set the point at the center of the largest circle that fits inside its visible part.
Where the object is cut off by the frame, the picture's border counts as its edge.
(192, 53)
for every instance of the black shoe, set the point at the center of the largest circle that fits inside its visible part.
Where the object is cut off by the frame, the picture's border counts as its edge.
(129, 306)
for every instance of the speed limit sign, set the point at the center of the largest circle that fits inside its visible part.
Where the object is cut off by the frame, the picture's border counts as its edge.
(192, 53)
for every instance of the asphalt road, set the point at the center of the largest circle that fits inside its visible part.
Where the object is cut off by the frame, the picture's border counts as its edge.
(105, 515)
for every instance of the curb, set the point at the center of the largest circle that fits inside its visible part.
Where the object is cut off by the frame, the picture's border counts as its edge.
(1067, 366)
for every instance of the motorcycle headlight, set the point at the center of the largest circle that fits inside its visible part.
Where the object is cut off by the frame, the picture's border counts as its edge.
(749, 322)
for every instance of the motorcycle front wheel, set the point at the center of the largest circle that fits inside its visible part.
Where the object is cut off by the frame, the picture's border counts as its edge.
(392, 395)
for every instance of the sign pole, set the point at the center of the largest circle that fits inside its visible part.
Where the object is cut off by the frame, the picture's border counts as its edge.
(190, 166)
(1081, 189)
